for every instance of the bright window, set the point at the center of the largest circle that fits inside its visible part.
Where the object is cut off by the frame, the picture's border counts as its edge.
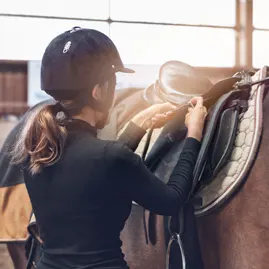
(260, 13)
(260, 48)
(214, 12)
(155, 44)
(27, 38)
(60, 8)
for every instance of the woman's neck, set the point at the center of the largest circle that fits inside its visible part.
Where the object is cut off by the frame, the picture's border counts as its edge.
(87, 114)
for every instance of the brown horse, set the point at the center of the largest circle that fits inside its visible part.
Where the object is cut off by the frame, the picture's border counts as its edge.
(234, 236)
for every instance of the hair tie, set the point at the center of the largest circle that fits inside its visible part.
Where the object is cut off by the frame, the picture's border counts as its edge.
(61, 114)
(58, 107)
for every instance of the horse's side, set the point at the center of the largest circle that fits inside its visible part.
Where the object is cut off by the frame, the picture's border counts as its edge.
(238, 235)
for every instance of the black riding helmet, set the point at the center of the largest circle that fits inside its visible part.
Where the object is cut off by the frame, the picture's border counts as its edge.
(77, 60)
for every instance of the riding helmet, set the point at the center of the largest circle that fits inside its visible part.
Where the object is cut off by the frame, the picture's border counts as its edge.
(77, 60)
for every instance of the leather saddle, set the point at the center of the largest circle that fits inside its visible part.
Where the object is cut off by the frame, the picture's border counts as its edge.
(225, 103)
(178, 83)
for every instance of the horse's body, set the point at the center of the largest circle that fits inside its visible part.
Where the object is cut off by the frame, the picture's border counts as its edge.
(235, 237)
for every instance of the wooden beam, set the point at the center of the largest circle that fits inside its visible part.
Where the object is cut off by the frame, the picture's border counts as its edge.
(244, 26)
(13, 66)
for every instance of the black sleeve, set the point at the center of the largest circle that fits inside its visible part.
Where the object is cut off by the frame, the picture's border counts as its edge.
(146, 189)
(132, 136)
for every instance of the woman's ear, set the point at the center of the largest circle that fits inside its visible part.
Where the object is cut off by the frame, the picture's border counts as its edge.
(96, 93)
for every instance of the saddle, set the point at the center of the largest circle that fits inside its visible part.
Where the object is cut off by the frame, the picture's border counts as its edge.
(171, 75)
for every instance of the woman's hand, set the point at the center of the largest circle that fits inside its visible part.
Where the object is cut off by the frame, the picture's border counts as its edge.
(156, 116)
(195, 119)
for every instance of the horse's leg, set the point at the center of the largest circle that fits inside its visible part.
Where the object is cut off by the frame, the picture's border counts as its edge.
(17, 254)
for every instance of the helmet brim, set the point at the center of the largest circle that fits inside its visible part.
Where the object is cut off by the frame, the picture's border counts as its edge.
(125, 70)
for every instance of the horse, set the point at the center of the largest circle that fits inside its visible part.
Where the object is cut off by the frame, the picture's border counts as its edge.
(233, 232)
(227, 236)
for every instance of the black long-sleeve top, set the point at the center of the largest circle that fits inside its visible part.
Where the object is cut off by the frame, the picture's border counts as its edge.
(82, 202)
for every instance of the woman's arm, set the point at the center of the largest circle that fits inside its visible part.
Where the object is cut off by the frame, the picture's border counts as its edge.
(143, 187)
(132, 136)
(155, 115)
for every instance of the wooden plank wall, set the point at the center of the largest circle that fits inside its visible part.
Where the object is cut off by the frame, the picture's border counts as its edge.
(13, 88)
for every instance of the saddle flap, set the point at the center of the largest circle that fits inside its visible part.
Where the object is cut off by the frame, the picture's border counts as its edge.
(224, 140)
(219, 116)
(208, 136)
(222, 145)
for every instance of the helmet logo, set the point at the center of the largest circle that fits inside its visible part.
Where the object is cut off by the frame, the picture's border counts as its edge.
(74, 29)
(67, 47)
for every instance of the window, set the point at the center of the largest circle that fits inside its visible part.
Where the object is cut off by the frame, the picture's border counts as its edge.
(144, 76)
(155, 44)
(260, 13)
(213, 12)
(260, 48)
(90, 9)
(27, 38)
(260, 55)
(152, 42)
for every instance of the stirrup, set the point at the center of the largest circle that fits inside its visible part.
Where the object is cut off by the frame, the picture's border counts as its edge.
(175, 237)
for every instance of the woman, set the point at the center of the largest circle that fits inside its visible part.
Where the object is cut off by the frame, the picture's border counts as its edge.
(81, 188)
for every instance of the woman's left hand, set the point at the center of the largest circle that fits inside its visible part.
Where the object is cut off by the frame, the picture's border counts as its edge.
(155, 116)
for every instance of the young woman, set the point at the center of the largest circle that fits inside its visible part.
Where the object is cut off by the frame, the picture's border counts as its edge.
(82, 188)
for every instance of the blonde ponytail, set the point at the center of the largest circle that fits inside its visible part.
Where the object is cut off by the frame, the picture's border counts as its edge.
(41, 141)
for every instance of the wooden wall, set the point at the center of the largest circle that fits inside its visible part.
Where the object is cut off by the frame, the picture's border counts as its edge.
(13, 84)
(13, 88)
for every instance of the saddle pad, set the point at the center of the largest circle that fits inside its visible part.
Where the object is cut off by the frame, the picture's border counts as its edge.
(232, 175)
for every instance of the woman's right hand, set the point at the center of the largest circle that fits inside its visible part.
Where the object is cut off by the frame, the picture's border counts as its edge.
(195, 119)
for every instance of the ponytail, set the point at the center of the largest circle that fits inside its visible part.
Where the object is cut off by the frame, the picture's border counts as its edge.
(42, 140)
